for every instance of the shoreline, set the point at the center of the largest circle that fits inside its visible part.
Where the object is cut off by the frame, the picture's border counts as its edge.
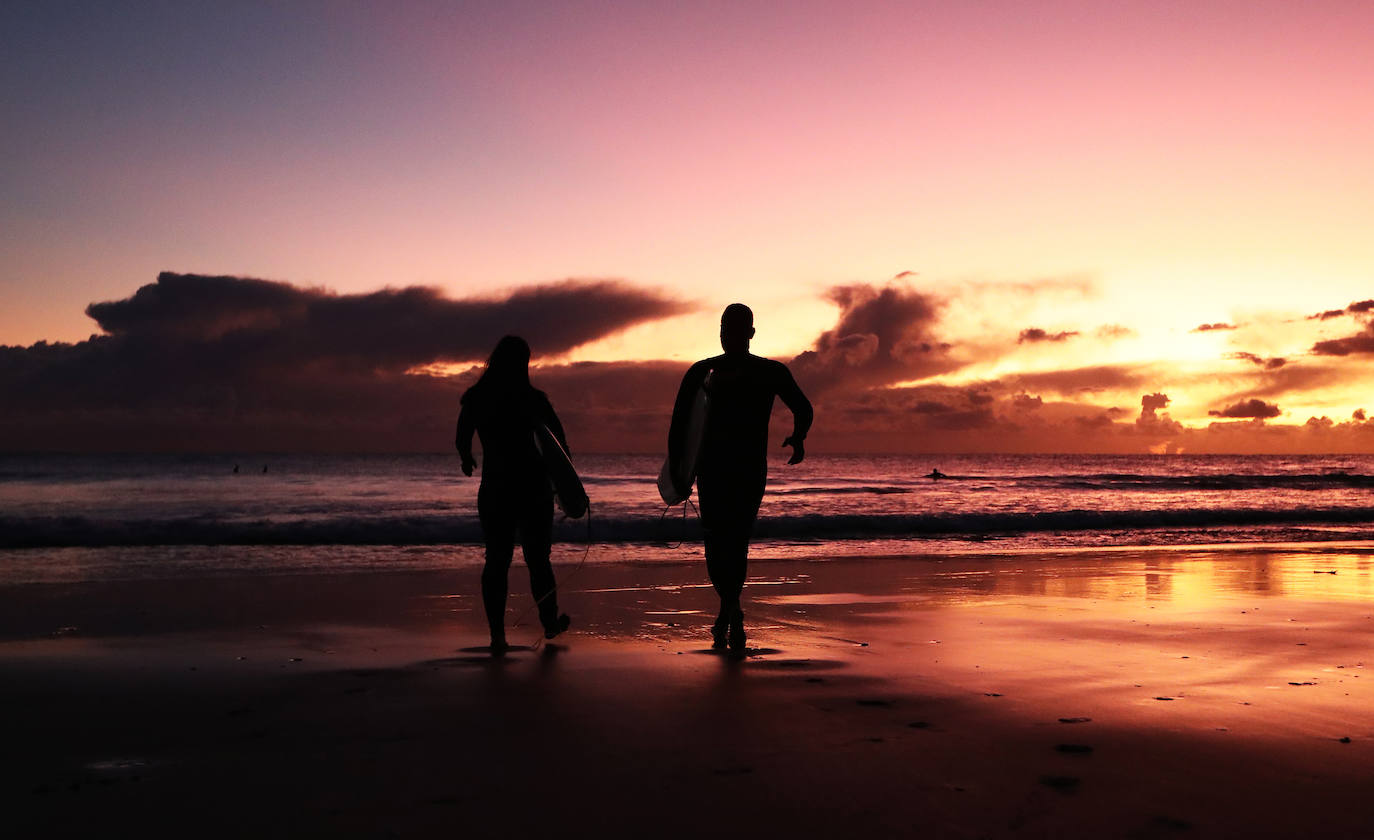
(78, 565)
(880, 696)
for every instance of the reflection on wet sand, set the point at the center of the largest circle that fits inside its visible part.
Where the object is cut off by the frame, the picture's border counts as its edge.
(1180, 576)
(1134, 693)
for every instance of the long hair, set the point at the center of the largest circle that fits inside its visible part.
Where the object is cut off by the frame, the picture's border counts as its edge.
(508, 369)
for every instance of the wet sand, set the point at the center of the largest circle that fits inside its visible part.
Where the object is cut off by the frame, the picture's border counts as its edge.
(1147, 693)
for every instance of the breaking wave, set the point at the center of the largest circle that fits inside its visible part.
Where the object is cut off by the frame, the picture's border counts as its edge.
(446, 529)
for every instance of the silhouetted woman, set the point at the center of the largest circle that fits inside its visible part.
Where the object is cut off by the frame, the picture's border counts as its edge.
(515, 496)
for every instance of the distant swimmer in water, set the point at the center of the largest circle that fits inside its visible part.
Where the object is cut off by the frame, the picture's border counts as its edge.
(936, 474)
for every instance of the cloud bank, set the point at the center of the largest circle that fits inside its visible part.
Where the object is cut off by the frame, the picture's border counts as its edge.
(274, 323)
(1253, 408)
(1359, 343)
(223, 364)
(1033, 335)
(884, 335)
(220, 363)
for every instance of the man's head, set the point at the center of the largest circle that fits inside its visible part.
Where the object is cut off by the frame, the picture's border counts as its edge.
(736, 328)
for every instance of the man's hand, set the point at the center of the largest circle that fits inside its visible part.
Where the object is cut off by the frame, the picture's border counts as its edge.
(798, 451)
(467, 467)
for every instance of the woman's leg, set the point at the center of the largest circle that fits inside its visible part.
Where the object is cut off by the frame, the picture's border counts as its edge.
(498, 531)
(536, 543)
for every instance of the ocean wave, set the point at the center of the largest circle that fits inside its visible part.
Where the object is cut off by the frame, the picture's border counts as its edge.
(436, 529)
(1218, 481)
(74, 531)
(876, 490)
(1092, 481)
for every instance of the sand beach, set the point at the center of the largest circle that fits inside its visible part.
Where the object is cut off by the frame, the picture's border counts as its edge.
(1184, 692)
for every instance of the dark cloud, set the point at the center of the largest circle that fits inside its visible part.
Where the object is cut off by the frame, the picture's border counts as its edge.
(925, 409)
(222, 363)
(1094, 422)
(1220, 325)
(1152, 420)
(1271, 363)
(1035, 335)
(1153, 402)
(1360, 342)
(1150, 403)
(1358, 415)
(884, 335)
(1252, 408)
(611, 406)
(269, 322)
(932, 418)
(950, 418)
(1359, 307)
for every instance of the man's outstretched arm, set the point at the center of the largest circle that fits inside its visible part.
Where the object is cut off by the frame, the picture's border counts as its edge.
(802, 415)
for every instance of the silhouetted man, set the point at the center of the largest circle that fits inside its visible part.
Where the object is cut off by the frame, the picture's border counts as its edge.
(733, 466)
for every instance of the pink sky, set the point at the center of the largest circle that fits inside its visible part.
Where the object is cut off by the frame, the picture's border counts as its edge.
(1190, 162)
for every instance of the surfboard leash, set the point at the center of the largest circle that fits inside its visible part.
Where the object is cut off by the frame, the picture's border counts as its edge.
(663, 517)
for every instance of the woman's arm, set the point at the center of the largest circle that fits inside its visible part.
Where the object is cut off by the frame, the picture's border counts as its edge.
(462, 438)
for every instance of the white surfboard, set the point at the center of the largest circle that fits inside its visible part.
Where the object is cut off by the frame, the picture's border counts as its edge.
(686, 472)
(567, 487)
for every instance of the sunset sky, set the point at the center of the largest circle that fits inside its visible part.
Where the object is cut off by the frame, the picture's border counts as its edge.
(1026, 226)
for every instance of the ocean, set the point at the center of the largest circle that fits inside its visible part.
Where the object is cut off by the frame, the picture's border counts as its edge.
(113, 517)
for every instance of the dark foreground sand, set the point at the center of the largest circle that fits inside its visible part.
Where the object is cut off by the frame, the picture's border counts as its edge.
(1134, 694)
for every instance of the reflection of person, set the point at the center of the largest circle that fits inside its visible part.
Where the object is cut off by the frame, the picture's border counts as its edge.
(515, 496)
(733, 465)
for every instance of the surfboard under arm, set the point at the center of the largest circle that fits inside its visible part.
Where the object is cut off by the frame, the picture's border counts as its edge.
(684, 474)
(567, 487)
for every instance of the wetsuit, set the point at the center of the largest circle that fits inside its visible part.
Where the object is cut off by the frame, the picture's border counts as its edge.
(733, 467)
(515, 496)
